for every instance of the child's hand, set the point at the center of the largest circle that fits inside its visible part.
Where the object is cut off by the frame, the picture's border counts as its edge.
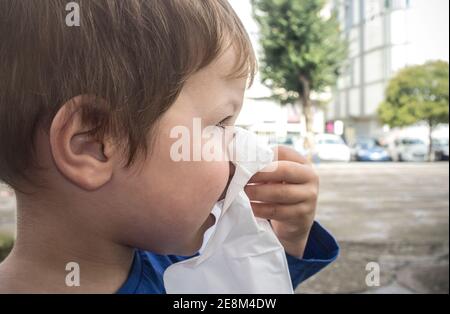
(289, 196)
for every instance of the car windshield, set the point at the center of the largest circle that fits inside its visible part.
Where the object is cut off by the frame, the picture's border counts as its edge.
(282, 141)
(412, 142)
(440, 142)
(331, 141)
(366, 143)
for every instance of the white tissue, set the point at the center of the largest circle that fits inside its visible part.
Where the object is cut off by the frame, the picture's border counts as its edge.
(240, 253)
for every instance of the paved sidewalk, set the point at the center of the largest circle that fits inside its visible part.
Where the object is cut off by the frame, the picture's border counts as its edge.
(396, 214)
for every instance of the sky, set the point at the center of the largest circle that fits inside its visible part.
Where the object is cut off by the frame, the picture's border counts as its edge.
(430, 25)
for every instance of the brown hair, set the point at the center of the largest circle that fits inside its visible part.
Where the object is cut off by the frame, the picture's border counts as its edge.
(134, 55)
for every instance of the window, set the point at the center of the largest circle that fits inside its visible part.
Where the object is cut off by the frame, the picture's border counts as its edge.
(348, 15)
(397, 4)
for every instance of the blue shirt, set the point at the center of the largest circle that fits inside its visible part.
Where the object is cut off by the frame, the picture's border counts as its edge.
(146, 273)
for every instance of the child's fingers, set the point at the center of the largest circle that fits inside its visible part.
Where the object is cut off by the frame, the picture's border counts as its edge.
(274, 211)
(285, 171)
(278, 193)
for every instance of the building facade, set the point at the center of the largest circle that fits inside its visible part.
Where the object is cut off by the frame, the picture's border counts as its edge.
(384, 36)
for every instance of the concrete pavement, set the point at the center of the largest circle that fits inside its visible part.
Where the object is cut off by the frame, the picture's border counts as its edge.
(395, 214)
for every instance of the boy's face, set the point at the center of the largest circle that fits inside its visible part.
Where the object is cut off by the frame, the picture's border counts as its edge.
(164, 205)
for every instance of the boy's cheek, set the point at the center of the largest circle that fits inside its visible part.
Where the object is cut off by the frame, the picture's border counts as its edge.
(191, 210)
(168, 209)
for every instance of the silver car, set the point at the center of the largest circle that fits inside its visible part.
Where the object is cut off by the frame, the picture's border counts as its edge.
(409, 149)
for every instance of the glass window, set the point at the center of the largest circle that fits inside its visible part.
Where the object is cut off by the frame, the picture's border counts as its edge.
(348, 15)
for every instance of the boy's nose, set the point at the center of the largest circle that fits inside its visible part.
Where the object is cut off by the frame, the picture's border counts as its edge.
(230, 176)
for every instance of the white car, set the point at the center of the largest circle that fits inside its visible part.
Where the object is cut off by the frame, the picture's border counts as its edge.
(440, 149)
(330, 147)
(409, 149)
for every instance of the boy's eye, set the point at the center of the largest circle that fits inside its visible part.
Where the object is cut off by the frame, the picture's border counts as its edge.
(223, 123)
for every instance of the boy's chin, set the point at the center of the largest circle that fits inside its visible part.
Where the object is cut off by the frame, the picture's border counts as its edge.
(209, 222)
(196, 244)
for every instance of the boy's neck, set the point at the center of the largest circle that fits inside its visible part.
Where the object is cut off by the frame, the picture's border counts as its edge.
(45, 245)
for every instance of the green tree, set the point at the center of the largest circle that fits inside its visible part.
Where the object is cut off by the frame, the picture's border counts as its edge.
(417, 93)
(302, 51)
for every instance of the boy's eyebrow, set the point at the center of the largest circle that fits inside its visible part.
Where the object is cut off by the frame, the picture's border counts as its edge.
(233, 77)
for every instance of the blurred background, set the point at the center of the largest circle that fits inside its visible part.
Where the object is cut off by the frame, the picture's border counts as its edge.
(377, 120)
(361, 88)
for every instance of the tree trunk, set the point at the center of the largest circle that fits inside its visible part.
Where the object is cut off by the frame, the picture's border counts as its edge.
(430, 138)
(309, 116)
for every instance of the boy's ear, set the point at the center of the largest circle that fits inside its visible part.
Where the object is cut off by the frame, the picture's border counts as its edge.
(83, 159)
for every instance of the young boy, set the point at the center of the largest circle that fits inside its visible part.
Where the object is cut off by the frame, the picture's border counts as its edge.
(86, 117)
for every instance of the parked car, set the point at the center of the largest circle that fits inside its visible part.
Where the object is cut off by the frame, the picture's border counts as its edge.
(285, 141)
(291, 142)
(409, 149)
(330, 147)
(368, 149)
(440, 149)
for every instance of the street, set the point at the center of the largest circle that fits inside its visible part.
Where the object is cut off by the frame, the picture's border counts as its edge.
(394, 214)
